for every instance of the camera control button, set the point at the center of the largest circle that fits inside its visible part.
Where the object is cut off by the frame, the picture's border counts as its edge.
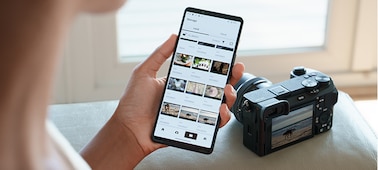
(309, 83)
(321, 99)
(312, 74)
(301, 97)
(323, 80)
(324, 118)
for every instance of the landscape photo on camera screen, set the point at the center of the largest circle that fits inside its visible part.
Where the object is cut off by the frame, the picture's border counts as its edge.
(292, 127)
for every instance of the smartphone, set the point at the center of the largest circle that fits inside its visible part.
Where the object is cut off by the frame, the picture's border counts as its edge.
(188, 116)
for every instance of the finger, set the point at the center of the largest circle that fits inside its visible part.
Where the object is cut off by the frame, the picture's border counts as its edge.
(224, 114)
(160, 55)
(237, 73)
(230, 95)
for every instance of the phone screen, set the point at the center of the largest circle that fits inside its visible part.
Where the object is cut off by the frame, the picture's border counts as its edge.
(201, 65)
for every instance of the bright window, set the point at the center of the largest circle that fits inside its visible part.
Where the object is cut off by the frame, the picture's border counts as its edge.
(269, 24)
(336, 37)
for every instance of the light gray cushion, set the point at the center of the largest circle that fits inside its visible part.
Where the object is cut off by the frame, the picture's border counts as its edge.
(350, 144)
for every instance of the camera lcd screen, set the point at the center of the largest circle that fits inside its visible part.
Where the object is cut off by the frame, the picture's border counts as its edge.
(292, 127)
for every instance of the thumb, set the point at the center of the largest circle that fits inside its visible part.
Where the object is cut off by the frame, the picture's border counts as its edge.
(159, 56)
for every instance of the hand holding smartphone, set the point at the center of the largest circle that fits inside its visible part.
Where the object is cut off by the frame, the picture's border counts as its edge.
(201, 65)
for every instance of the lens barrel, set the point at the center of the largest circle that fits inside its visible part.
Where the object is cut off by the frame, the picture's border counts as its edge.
(247, 83)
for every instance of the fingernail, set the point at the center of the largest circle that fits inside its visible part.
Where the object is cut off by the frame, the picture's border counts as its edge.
(233, 90)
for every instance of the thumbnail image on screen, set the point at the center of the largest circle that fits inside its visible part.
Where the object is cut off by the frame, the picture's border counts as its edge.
(189, 113)
(214, 92)
(183, 59)
(195, 88)
(170, 109)
(220, 67)
(176, 84)
(201, 64)
(207, 117)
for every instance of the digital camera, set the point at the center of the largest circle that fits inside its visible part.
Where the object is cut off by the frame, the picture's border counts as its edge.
(275, 116)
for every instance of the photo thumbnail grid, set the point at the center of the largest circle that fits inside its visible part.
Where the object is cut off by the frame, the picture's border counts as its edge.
(195, 88)
(200, 63)
(189, 113)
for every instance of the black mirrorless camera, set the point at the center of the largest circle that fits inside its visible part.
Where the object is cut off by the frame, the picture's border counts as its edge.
(275, 116)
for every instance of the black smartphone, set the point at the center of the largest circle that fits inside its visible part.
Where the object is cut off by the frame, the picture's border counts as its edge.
(201, 66)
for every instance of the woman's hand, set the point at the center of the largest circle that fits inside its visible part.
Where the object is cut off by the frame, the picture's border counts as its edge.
(126, 138)
(138, 107)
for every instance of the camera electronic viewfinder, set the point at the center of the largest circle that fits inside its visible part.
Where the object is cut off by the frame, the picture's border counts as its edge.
(275, 116)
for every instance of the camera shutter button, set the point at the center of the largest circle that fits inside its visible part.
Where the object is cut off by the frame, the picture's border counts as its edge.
(298, 71)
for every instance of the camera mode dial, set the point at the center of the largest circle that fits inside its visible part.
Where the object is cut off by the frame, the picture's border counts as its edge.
(310, 84)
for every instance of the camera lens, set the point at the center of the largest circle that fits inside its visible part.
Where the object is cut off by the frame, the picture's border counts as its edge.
(247, 83)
